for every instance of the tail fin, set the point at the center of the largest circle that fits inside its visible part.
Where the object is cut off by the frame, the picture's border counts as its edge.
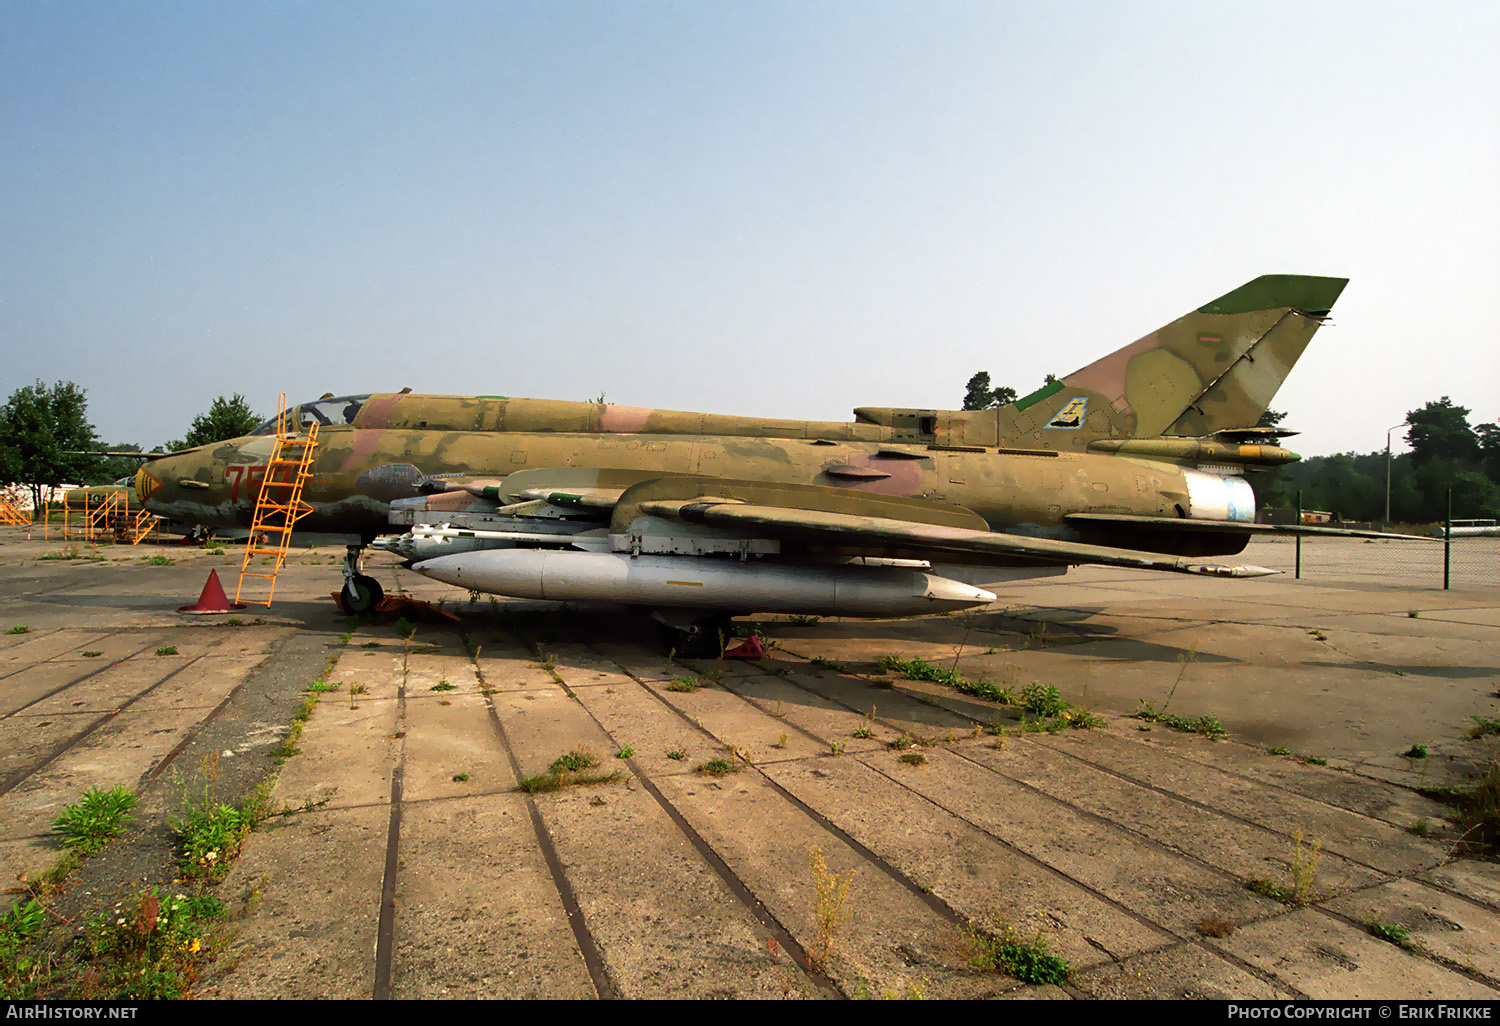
(1214, 369)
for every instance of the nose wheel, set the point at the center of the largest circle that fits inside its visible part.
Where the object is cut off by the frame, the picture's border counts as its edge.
(361, 592)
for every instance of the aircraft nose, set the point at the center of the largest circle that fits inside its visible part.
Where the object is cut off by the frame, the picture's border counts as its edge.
(145, 485)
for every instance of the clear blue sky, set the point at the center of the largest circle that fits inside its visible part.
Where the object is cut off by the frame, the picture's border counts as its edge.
(783, 209)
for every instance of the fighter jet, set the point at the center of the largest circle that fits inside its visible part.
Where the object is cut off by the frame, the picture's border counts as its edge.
(1136, 460)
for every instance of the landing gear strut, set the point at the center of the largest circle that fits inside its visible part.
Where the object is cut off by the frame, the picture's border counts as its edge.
(361, 592)
(700, 637)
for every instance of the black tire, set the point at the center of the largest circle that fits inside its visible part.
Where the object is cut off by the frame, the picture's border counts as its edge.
(705, 639)
(361, 595)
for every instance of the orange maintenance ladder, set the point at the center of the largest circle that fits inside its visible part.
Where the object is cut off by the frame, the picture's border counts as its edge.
(279, 505)
(11, 514)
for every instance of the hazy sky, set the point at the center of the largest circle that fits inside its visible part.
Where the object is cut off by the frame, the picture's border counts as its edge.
(784, 209)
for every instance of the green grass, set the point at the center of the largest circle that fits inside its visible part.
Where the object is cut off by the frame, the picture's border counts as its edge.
(19, 628)
(685, 685)
(89, 823)
(321, 686)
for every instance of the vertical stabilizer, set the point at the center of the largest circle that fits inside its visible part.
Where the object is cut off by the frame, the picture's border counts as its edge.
(1215, 368)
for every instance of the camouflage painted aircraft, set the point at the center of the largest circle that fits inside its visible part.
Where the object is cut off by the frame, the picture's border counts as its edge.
(1136, 460)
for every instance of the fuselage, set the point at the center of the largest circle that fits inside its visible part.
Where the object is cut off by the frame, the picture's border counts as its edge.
(1029, 487)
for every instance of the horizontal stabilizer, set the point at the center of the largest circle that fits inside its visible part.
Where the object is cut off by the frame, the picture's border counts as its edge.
(1232, 526)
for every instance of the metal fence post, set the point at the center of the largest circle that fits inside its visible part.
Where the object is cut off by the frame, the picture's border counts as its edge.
(1298, 574)
(1447, 539)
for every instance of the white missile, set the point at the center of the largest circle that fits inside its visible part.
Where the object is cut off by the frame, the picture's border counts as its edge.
(719, 584)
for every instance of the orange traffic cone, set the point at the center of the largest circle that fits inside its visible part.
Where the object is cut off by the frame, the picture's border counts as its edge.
(213, 599)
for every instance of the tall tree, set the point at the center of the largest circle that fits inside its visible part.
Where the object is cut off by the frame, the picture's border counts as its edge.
(44, 433)
(981, 396)
(226, 418)
(1440, 431)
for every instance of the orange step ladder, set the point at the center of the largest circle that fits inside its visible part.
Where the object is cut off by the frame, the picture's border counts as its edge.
(279, 505)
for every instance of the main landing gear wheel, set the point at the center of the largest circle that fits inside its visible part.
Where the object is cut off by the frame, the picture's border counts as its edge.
(361, 594)
(703, 638)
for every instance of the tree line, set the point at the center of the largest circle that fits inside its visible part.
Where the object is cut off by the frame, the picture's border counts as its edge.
(46, 438)
(1447, 454)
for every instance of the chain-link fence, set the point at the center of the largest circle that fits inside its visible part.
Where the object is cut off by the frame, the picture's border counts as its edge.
(1462, 562)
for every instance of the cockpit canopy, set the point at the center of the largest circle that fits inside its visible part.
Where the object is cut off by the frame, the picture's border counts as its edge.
(329, 411)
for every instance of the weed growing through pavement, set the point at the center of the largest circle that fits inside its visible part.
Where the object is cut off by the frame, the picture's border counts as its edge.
(1207, 724)
(1416, 752)
(567, 770)
(1304, 874)
(685, 685)
(26, 966)
(89, 823)
(91, 653)
(442, 685)
(830, 908)
(625, 753)
(917, 669)
(1215, 926)
(1478, 812)
(1008, 952)
(676, 756)
(167, 650)
(913, 758)
(719, 767)
(210, 832)
(150, 949)
(19, 628)
(321, 686)
(1483, 727)
(1392, 934)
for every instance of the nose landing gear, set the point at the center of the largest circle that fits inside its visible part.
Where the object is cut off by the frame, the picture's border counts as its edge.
(361, 593)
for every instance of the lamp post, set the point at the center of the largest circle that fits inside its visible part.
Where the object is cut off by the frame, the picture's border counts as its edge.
(1388, 470)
